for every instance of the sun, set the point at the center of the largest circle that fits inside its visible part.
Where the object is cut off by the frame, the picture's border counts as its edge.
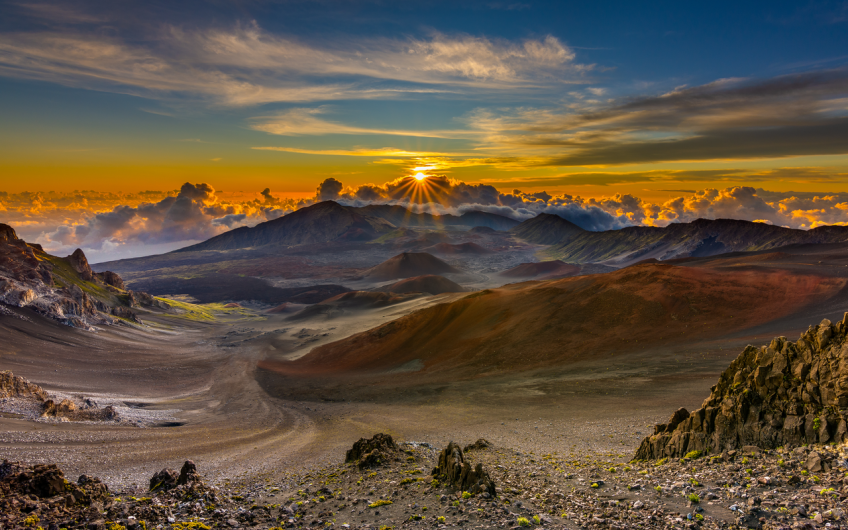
(419, 176)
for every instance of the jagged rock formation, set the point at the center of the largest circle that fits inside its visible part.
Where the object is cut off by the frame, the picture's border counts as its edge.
(64, 289)
(457, 473)
(16, 386)
(783, 394)
(377, 450)
(23, 484)
(168, 479)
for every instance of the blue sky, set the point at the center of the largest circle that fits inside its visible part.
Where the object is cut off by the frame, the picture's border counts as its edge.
(655, 104)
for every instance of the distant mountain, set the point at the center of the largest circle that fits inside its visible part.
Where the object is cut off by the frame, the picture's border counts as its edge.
(400, 216)
(407, 265)
(330, 221)
(699, 238)
(546, 229)
(319, 223)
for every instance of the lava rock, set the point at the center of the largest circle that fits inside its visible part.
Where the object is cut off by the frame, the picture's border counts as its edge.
(459, 474)
(372, 452)
(480, 444)
(164, 480)
(784, 394)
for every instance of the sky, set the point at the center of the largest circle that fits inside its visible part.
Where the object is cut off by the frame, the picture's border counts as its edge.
(131, 128)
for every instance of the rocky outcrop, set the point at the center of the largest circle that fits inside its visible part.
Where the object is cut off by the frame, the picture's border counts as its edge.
(375, 451)
(64, 289)
(26, 491)
(459, 474)
(189, 474)
(79, 262)
(7, 233)
(111, 278)
(16, 386)
(168, 479)
(784, 394)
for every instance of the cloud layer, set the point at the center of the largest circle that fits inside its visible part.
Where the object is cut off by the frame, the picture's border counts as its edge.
(246, 65)
(112, 226)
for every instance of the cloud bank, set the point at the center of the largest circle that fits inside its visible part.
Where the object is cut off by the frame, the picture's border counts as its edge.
(112, 226)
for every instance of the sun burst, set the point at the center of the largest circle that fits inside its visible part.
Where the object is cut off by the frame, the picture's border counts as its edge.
(419, 176)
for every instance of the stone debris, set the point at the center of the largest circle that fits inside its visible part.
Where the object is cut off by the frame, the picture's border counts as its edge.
(754, 488)
(784, 394)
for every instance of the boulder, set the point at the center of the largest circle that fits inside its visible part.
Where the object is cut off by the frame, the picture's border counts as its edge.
(168, 479)
(375, 451)
(164, 480)
(784, 394)
(16, 386)
(480, 444)
(64, 409)
(461, 475)
(111, 278)
(189, 474)
(125, 313)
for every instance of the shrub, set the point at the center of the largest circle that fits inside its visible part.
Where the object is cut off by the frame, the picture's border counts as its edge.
(692, 455)
(441, 518)
(466, 495)
(523, 521)
(694, 498)
(381, 502)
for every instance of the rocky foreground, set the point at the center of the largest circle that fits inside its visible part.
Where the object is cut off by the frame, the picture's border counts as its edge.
(386, 485)
(783, 394)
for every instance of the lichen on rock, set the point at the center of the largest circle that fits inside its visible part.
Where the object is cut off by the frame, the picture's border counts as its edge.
(783, 394)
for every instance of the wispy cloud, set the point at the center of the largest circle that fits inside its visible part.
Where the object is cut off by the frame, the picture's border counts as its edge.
(306, 122)
(246, 65)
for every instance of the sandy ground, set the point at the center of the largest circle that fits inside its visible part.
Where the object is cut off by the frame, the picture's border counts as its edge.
(237, 422)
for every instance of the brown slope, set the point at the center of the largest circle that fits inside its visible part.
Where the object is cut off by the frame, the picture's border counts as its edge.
(462, 248)
(407, 265)
(539, 324)
(352, 301)
(541, 270)
(426, 284)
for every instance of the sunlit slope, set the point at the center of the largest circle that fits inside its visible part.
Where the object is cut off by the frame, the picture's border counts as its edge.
(537, 324)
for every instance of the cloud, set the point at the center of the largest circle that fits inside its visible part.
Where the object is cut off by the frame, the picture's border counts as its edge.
(790, 115)
(305, 121)
(110, 225)
(246, 65)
